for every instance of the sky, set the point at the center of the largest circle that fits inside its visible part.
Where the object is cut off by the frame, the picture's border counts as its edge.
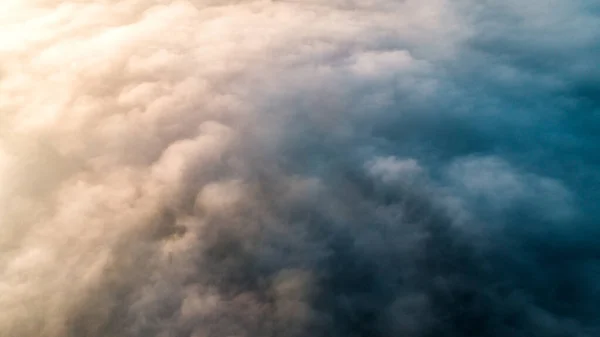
(334, 168)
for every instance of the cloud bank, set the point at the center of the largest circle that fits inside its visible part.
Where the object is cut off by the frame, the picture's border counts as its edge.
(221, 168)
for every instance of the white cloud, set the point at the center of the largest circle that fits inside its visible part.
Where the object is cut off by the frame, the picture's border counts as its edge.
(391, 169)
(501, 186)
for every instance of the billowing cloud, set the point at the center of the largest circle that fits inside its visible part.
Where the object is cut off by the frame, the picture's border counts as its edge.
(178, 168)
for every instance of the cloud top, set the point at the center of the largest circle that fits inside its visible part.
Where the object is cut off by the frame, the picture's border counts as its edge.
(250, 168)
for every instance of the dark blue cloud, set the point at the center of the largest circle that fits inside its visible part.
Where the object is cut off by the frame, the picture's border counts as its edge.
(511, 131)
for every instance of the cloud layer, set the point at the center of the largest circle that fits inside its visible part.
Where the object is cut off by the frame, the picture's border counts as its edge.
(299, 168)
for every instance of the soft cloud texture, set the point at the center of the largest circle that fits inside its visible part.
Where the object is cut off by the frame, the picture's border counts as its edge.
(299, 168)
